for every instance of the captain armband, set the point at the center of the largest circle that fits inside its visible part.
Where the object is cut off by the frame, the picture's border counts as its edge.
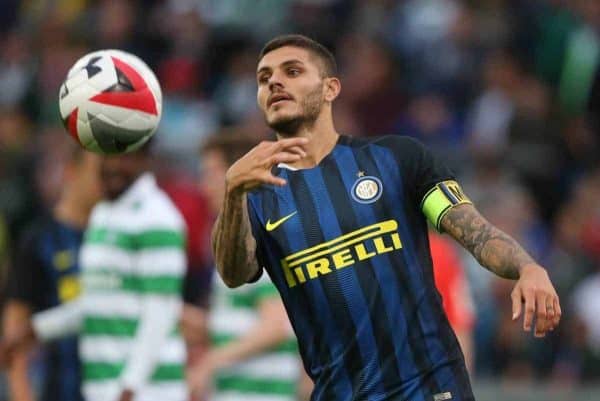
(440, 199)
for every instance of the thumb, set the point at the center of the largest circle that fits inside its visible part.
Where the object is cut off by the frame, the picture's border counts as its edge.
(517, 302)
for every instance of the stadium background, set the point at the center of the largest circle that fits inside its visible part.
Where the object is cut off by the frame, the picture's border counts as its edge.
(497, 88)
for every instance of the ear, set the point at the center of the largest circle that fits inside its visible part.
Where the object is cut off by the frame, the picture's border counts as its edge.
(332, 88)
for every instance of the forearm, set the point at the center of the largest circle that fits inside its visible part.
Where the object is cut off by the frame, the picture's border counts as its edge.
(59, 321)
(269, 332)
(18, 379)
(493, 249)
(157, 321)
(255, 342)
(16, 316)
(233, 244)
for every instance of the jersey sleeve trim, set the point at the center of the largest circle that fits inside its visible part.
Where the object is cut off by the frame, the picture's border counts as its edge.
(440, 199)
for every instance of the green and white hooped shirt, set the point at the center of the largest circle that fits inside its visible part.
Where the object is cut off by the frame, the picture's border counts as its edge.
(271, 376)
(133, 261)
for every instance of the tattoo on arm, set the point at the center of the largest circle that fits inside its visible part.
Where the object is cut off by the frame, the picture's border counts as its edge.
(493, 249)
(233, 244)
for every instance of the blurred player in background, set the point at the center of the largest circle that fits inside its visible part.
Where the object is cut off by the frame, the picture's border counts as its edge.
(133, 261)
(451, 282)
(44, 274)
(253, 354)
(339, 223)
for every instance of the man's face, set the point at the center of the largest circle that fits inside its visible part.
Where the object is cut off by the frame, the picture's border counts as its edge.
(290, 89)
(118, 172)
(213, 168)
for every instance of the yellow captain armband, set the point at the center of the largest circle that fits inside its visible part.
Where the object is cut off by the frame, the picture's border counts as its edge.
(440, 199)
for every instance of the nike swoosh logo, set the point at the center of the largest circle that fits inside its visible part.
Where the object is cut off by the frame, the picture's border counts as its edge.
(271, 226)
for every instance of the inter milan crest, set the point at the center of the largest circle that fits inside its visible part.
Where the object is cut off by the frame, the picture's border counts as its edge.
(367, 189)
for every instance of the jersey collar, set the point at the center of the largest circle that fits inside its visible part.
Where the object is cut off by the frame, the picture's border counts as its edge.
(144, 185)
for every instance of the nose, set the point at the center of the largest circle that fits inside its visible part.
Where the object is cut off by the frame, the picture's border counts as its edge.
(275, 82)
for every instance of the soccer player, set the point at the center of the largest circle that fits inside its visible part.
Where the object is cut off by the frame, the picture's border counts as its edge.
(45, 273)
(340, 225)
(132, 261)
(253, 354)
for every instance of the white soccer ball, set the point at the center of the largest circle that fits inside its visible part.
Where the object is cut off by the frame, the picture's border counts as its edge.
(110, 102)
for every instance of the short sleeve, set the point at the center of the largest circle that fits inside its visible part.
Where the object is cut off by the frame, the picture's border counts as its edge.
(433, 184)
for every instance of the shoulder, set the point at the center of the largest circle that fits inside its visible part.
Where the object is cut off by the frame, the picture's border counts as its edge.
(399, 144)
(159, 210)
(36, 231)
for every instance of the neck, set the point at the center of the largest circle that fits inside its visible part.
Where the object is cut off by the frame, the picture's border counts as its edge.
(322, 138)
(71, 211)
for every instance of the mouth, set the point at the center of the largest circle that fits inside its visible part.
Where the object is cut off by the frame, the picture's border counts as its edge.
(278, 98)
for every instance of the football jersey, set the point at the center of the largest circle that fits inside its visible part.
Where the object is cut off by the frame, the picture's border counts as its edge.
(271, 375)
(46, 274)
(346, 245)
(132, 257)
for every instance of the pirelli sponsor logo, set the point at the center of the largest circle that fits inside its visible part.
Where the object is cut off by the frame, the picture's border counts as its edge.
(341, 252)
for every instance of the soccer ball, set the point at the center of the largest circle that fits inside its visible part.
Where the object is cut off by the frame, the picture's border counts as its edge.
(110, 102)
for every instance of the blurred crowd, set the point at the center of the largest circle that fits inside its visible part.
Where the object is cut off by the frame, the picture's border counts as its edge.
(499, 89)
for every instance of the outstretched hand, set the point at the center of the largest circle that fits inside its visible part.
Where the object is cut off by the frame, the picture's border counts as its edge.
(254, 168)
(535, 294)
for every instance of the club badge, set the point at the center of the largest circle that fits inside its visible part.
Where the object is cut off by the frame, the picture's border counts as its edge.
(367, 189)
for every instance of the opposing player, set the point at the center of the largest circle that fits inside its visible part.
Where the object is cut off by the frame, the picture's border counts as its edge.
(132, 261)
(45, 273)
(251, 338)
(339, 223)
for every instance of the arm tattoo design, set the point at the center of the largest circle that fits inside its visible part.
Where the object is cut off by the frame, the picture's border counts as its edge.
(233, 244)
(493, 249)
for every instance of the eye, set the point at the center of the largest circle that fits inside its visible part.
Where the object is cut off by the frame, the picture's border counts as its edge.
(263, 79)
(293, 72)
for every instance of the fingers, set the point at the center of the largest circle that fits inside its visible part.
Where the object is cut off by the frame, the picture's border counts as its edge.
(271, 179)
(297, 150)
(529, 309)
(553, 310)
(541, 324)
(517, 302)
(283, 157)
(268, 178)
(557, 312)
(289, 143)
(540, 301)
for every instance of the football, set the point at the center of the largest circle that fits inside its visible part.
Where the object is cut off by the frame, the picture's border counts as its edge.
(110, 102)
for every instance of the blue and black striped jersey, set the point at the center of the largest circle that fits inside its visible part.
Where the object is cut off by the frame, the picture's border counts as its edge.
(346, 244)
(45, 273)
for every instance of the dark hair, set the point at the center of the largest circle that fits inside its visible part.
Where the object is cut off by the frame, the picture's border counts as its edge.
(232, 145)
(321, 52)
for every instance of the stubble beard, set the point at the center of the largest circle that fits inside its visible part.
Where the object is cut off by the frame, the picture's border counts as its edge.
(310, 107)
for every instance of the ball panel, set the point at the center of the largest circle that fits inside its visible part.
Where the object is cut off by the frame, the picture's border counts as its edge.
(142, 68)
(113, 138)
(80, 86)
(119, 116)
(72, 125)
(142, 100)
